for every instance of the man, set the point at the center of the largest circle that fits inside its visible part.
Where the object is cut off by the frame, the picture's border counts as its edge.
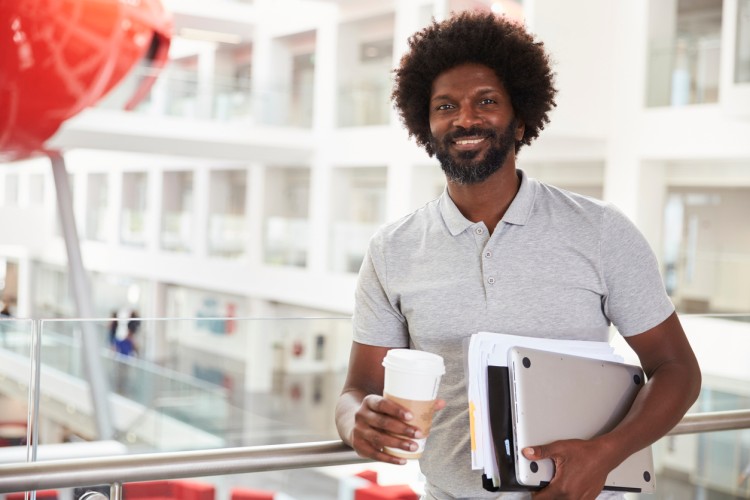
(499, 251)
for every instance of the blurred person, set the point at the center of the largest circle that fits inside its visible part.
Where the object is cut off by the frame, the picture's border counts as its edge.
(500, 251)
(127, 346)
(134, 323)
(112, 329)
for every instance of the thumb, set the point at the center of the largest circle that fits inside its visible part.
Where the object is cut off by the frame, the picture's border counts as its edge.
(535, 452)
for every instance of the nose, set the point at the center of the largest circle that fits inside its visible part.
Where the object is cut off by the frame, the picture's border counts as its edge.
(466, 117)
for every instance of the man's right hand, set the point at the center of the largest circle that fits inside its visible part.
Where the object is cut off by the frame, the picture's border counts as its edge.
(380, 422)
(367, 421)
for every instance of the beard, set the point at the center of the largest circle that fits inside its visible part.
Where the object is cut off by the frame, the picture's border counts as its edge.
(464, 168)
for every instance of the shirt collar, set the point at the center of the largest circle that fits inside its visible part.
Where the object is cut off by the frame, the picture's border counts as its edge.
(518, 212)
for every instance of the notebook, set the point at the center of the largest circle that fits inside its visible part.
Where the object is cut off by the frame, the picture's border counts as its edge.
(559, 396)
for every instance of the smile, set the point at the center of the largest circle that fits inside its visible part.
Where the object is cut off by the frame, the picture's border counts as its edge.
(463, 142)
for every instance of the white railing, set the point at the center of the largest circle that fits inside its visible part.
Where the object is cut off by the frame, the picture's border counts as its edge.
(117, 470)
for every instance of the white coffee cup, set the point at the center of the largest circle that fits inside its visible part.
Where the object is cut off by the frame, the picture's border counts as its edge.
(412, 379)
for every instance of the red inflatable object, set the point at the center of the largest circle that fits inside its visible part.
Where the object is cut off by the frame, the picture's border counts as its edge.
(59, 57)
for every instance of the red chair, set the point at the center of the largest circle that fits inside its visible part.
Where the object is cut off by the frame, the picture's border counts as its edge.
(193, 490)
(249, 494)
(169, 490)
(392, 492)
(370, 475)
(150, 490)
(40, 494)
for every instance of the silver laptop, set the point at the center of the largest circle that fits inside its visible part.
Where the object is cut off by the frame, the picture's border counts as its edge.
(558, 396)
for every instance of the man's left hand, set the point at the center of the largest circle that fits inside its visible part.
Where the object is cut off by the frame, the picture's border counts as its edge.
(580, 471)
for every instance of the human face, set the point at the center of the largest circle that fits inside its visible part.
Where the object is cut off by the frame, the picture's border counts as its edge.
(472, 123)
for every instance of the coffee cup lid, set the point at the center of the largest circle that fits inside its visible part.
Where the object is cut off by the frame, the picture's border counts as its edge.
(414, 361)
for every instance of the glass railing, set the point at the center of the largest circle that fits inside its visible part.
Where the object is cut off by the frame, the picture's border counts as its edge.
(365, 104)
(222, 384)
(176, 231)
(226, 235)
(742, 43)
(182, 92)
(179, 92)
(17, 382)
(133, 227)
(701, 281)
(348, 245)
(193, 383)
(286, 241)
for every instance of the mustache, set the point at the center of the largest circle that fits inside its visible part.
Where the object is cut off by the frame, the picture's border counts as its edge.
(470, 132)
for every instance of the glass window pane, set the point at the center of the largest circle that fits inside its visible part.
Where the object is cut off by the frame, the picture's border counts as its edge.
(226, 213)
(742, 50)
(96, 207)
(133, 214)
(358, 209)
(177, 211)
(684, 53)
(286, 216)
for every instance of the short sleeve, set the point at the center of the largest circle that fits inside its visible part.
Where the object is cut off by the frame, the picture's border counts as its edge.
(636, 299)
(377, 319)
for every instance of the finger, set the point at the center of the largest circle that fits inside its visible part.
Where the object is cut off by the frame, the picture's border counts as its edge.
(390, 417)
(372, 444)
(380, 404)
(439, 404)
(536, 452)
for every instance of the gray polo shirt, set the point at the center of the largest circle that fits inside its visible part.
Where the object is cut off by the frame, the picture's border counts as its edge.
(558, 265)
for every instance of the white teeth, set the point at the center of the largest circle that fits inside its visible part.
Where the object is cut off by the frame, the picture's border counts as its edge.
(468, 141)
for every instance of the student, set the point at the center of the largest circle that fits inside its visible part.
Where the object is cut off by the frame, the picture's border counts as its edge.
(500, 251)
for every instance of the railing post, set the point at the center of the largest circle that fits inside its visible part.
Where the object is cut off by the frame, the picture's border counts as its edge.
(115, 491)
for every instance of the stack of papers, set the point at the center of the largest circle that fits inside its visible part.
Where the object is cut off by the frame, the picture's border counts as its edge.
(491, 349)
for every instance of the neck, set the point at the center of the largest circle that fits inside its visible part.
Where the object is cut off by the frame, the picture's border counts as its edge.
(486, 201)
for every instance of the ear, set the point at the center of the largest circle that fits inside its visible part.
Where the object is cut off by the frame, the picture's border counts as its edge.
(520, 129)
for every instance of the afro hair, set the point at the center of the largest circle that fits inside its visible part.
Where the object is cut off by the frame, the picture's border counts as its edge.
(519, 61)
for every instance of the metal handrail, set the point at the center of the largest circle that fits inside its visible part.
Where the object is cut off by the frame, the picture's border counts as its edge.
(148, 467)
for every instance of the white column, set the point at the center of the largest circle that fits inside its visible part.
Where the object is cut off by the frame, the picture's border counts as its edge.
(255, 214)
(324, 115)
(24, 292)
(200, 208)
(400, 180)
(23, 190)
(325, 85)
(206, 80)
(259, 354)
(80, 195)
(262, 76)
(114, 207)
(154, 209)
(628, 181)
(156, 340)
(319, 228)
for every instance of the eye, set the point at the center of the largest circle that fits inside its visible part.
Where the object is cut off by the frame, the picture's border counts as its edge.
(487, 100)
(444, 107)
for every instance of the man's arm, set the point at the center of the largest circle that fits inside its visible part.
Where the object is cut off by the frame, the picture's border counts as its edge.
(365, 420)
(674, 382)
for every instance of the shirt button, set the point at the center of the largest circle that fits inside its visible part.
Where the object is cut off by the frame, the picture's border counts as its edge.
(491, 280)
(479, 230)
(488, 254)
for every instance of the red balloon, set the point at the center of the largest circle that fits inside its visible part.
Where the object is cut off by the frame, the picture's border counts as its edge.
(58, 57)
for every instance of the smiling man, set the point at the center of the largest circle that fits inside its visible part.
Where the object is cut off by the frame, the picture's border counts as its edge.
(500, 251)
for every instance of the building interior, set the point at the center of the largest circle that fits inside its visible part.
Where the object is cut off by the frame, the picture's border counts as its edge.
(231, 209)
